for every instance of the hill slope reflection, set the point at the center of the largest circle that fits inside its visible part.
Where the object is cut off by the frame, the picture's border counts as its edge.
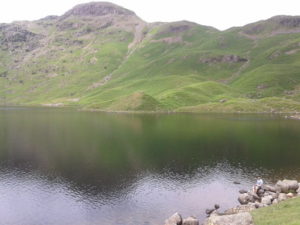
(85, 168)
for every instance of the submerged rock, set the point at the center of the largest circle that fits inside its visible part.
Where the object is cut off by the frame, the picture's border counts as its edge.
(235, 219)
(175, 219)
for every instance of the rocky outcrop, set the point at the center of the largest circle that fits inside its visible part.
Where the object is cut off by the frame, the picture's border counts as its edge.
(223, 59)
(287, 21)
(244, 218)
(14, 37)
(97, 9)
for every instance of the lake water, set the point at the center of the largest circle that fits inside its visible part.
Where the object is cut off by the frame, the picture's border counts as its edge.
(64, 167)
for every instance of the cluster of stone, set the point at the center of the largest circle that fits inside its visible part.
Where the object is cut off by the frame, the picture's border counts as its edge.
(268, 194)
(176, 219)
(265, 196)
(240, 215)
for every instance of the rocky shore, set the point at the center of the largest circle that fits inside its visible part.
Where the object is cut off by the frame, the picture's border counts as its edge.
(266, 196)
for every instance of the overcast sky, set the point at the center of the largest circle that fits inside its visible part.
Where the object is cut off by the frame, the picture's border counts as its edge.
(221, 14)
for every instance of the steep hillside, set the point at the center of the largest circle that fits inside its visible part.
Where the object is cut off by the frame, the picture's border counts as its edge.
(102, 56)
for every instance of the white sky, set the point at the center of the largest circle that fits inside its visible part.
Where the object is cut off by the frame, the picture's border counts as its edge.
(221, 14)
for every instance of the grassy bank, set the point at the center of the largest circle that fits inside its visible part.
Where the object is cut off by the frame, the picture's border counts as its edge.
(284, 213)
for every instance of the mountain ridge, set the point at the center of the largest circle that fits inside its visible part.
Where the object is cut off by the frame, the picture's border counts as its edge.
(103, 56)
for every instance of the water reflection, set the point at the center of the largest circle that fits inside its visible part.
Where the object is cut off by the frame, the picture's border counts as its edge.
(66, 167)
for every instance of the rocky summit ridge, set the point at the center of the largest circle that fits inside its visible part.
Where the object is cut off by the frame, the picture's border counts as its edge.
(97, 9)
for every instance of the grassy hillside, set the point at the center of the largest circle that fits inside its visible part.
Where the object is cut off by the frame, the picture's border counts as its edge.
(102, 56)
(286, 213)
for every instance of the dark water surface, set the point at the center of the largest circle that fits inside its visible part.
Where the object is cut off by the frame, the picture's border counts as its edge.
(63, 167)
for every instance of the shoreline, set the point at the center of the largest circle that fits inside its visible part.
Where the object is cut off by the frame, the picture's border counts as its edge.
(286, 115)
(266, 196)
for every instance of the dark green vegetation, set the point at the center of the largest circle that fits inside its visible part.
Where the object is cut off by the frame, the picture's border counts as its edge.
(286, 213)
(101, 56)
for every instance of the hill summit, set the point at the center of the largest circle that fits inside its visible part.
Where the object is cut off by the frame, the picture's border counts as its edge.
(97, 9)
(101, 56)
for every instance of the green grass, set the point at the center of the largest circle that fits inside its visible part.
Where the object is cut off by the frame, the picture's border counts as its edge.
(177, 66)
(284, 213)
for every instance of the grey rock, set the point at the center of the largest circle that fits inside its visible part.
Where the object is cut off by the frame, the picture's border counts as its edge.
(97, 9)
(243, 191)
(245, 198)
(253, 196)
(235, 219)
(290, 195)
(241, 208)
(175, 219)
(272, 194)
(275, 201)
(270, 188)
(287, 186)
(282, 197)
(260, 192)
(267, 200)
(190, 221)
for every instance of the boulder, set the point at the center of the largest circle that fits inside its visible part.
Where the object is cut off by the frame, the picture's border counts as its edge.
(270, 188)
(274, 195)
(241, 208)
(260, 192)
(267, 200)
(290, 195)
(287, 186)
(243, 191)
(275, 201)
(245, 198)
(282, 197)
(253, 196)
(234, 219)
(175, 219)
(298, 190)
(190, 221)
